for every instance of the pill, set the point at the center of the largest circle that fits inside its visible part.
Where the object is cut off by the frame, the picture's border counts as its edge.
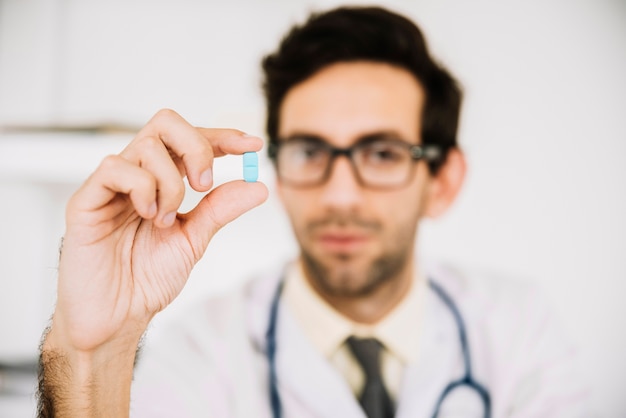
(250, 166)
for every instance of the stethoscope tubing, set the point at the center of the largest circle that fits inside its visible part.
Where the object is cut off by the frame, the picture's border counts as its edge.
(270, 337)
(466, 380)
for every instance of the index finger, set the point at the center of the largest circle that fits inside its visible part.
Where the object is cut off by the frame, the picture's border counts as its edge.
(193, 149)
(231, 141)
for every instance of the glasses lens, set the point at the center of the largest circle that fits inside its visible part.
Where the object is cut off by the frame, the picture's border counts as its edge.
(380, 163)
(383, 163)
(302, 162)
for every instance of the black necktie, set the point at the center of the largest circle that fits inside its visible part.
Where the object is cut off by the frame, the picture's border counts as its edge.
(374, 398)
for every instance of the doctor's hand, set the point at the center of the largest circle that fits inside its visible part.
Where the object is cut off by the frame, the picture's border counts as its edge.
(127, 253)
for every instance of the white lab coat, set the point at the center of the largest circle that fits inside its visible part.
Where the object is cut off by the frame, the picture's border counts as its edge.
(212, 363)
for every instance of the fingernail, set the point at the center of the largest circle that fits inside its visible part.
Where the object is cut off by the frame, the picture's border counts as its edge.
(206, 178)
(251, 136)
(169, 218)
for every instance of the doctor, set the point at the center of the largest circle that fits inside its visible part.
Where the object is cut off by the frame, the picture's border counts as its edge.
(362, 125)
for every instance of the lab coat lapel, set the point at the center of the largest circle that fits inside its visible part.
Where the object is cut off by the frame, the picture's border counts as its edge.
(310, 387)
(306, 380)
(439, 362)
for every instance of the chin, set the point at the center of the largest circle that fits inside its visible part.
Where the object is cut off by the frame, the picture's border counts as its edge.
(345, 274)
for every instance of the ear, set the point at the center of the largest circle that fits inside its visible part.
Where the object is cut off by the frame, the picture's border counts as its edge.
(446, 184)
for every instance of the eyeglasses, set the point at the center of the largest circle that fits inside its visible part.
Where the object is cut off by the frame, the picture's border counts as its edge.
(378, 163)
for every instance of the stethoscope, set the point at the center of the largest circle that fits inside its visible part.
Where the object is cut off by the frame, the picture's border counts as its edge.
(466, 381)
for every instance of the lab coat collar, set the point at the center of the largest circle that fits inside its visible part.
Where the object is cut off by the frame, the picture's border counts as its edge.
(440, 361)
(307, 382)
(306, 377)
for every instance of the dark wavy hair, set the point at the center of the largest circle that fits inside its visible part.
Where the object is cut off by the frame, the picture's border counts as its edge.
(364, 33)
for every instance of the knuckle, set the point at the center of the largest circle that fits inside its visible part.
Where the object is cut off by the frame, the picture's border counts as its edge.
(109, 162)
(146, 181)
(204, 148)
(150, 144)
(172, 195)
(166, 114)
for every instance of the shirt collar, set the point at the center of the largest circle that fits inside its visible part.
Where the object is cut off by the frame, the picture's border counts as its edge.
(328, 329)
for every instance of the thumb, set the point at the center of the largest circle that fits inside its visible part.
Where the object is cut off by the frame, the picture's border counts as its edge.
(221, 206)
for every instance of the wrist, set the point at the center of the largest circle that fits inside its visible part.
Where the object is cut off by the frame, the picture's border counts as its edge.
(79, 382)
(68, 332)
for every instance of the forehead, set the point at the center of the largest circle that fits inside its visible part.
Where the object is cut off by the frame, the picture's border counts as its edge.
(346, 101)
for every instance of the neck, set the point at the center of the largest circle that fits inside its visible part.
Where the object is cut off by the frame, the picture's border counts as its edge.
(370, 308)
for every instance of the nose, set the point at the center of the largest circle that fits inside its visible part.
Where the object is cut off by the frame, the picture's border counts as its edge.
(342, 189)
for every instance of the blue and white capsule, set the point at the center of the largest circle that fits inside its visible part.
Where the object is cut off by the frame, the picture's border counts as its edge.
(250, 167)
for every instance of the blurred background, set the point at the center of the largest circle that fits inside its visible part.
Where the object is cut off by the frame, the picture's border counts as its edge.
(542, 126)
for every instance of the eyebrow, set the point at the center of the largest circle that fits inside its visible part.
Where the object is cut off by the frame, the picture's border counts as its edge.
(368, 137)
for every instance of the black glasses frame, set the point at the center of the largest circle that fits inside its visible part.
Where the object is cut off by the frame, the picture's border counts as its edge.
(429, 153)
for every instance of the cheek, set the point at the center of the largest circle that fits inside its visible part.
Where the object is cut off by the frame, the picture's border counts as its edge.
(403, 212)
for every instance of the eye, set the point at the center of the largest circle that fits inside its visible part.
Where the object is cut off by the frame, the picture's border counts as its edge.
(307, 152)
(383, 153)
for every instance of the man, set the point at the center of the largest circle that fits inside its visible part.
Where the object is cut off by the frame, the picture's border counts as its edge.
(362, 125)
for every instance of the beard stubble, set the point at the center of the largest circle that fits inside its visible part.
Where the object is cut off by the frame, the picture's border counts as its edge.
(338, 278)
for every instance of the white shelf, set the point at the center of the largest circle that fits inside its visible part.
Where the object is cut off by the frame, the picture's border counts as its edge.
(70, 158)
(54, 158)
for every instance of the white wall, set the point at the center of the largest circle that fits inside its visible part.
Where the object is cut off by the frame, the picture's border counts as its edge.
(542, 127)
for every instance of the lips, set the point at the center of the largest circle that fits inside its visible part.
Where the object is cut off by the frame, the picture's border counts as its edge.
(343, 242)
(342, 234)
